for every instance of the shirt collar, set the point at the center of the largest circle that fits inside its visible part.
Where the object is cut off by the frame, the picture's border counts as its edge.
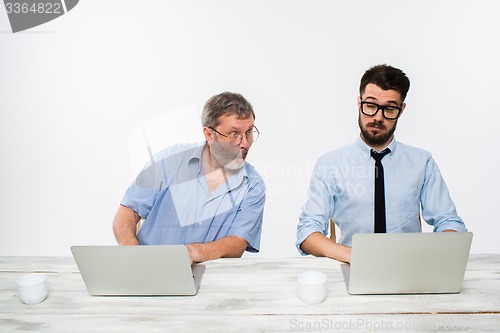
(237, 179)
(196, 154)
(364, 149)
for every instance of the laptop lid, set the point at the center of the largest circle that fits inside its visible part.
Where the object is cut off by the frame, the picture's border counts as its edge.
(407, 263)
(153, 270)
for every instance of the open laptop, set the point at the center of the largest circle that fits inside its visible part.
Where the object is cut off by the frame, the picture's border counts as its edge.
(407, 263)
(152, 270)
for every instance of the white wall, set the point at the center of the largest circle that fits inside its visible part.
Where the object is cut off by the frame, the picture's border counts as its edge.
(73, 90)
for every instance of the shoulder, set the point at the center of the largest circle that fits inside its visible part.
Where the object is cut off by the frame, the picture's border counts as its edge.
(254, 178)
(178, 154)
(179, 149)
(412, 152)
(338, 154)
(175, 156)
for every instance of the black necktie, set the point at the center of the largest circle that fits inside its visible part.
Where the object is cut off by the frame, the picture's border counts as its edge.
(379, 190)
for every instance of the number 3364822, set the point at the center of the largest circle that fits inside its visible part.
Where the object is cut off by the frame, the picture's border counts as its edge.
(35, 8)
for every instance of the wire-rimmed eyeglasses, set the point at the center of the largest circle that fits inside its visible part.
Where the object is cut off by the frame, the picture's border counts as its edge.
(235, 139)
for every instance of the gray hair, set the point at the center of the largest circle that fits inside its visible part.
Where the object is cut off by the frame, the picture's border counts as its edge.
(226, 103)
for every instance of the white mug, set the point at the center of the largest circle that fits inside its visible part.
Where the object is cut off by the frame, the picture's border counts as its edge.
(32, 288)
(312, 287)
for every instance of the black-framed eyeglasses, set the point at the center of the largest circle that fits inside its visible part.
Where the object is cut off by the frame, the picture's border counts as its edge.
(389, 111)
(235, 139)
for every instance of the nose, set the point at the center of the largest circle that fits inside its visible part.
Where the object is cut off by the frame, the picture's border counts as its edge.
(244, 144)
(379, 115)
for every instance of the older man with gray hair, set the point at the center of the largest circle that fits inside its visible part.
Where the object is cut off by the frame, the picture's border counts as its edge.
(205, 195)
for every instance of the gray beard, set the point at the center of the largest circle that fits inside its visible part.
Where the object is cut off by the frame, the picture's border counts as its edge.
(226, 159)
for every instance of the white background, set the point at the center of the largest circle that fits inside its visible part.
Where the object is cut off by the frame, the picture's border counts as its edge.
(74, 90)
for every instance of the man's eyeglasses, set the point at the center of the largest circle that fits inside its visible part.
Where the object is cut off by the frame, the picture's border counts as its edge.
(235, 139)
(390, 112)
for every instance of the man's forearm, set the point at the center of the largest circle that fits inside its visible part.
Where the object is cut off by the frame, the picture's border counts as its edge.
(319, 245)
(227, 247)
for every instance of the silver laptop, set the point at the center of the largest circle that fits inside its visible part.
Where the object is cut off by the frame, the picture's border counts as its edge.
(152, 270)
(407, 263)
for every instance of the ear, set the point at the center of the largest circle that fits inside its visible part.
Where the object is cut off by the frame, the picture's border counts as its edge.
(403, 106)
(207, 132)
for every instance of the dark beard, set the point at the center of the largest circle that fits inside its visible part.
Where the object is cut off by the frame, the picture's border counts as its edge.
(372, 140)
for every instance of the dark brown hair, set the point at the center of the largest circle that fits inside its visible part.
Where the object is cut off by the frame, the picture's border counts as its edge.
(387, 78)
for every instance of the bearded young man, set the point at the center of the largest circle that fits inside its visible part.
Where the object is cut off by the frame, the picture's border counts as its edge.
(375, 184)
(205, 195)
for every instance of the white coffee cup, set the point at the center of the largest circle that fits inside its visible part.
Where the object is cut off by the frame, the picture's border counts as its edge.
(32, 288)
(312, 287)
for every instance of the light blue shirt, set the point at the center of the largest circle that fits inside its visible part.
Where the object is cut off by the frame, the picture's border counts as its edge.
(342, 188)
(171, 194)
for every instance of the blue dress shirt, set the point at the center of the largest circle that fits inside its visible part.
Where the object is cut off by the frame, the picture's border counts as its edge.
(342, 188)
(171, 194)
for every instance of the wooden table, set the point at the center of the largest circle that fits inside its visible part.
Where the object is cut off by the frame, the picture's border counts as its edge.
(248, 295)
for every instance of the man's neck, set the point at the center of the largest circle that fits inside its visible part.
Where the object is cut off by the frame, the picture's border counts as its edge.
(209, 164)
(214, 172)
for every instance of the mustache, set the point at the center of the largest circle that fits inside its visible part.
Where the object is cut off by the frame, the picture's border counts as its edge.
(377, 124)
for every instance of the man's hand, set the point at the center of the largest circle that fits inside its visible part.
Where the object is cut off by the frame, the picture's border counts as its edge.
(193, 252)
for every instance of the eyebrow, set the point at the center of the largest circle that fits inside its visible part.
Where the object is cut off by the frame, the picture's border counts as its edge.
(374, 99)
(234, 129)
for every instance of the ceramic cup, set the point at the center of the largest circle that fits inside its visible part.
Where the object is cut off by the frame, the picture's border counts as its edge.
(312, 287)
(32, 288)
